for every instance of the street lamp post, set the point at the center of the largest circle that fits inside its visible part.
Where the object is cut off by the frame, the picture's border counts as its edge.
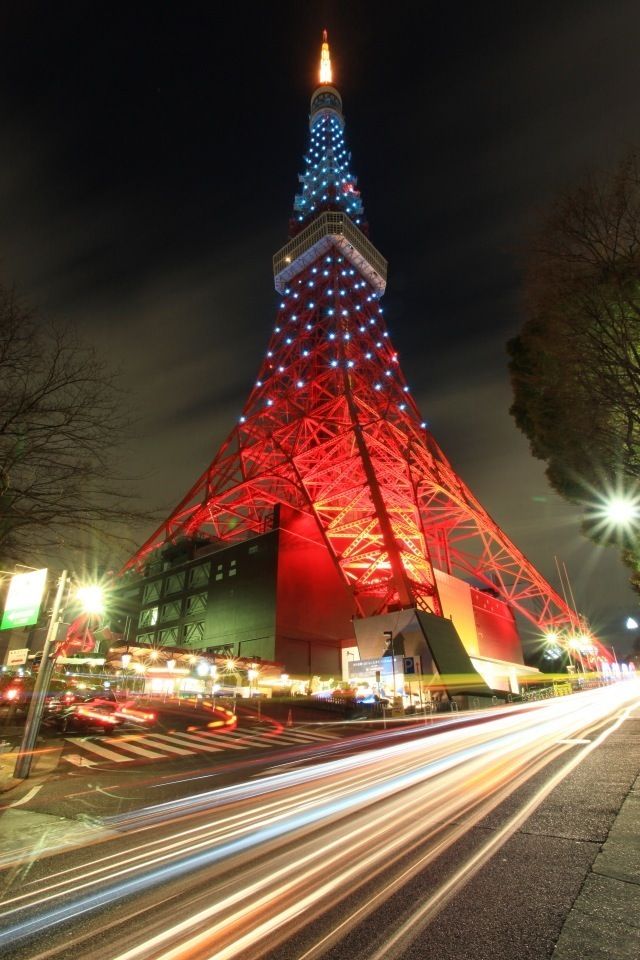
(389, 635)
(125, 660)
(171, 665)
(36, 707)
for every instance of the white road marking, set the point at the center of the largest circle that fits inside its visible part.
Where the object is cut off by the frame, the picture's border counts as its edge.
(251, 740)
(156, 740)
(299, 737)
(200, 742)
(224, 738)
(101, 751)
(186, 744)
(78, 761)
(27, 796)
(133, 748)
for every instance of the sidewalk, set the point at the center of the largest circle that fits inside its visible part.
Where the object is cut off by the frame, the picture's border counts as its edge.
(604, 921)
(566, 884)
(9, 739)
(45, 761)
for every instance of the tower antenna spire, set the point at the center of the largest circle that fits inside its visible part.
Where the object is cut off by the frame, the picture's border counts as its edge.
(325, 60)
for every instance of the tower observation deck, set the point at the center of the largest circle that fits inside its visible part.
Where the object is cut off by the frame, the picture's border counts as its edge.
(330, 428)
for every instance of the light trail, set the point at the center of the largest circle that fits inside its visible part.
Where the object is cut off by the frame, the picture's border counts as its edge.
(249, 864)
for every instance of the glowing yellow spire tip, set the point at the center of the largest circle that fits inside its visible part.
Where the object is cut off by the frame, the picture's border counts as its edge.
(325, 60)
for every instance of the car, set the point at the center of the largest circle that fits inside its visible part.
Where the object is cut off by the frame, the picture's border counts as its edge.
(98, 713)
(76, 695)
(85, 717)
(136, 712)
(18, 691)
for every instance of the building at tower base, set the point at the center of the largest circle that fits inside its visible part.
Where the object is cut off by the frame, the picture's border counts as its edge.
(279, 597)
(276, 597)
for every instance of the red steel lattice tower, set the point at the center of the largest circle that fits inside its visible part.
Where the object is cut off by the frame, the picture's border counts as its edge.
(330, 427)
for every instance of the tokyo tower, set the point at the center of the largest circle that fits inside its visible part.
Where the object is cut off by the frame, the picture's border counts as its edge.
(331, 430)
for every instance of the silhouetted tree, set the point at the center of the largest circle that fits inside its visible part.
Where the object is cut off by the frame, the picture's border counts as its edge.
(63, 419)
(575, 366)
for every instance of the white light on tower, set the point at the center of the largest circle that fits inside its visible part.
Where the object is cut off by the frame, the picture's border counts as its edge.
(325, 60)
(631, 624)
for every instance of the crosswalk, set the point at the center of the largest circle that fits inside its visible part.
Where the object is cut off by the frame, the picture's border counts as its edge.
(91, 751)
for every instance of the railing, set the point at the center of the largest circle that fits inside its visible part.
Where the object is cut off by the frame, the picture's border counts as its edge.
(330, 226)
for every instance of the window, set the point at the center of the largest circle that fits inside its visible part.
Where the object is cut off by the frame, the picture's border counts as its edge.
(169, 637)
(219, 573)
(193, 632)
(175, 583)
(197, 604)
(171, 611)
(148, 617)
(199, 576)
(232, 569)
(151, 591)
(224, 650)
(254, 548)
(146, 639)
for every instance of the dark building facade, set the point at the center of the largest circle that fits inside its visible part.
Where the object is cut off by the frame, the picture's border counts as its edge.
(276, 597)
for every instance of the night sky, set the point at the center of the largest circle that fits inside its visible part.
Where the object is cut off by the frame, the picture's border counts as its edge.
(149, 155)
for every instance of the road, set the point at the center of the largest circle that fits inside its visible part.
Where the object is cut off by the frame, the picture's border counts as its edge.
(353, 848)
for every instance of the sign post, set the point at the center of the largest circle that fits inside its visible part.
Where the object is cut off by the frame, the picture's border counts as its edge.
(36, 707)
(23, 599)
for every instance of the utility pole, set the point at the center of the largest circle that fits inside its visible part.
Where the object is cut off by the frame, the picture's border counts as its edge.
(36, 707)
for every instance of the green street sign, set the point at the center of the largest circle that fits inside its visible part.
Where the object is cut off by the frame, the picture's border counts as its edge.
(23, 599)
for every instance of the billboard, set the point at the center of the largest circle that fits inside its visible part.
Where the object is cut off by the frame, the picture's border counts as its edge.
(23, 599)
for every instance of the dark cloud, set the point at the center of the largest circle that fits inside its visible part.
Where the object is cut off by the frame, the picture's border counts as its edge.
(148, 165)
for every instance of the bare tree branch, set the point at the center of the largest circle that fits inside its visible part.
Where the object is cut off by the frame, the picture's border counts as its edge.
(63, 422)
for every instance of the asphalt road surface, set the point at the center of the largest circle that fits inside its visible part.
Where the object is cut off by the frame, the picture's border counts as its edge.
(468, 838)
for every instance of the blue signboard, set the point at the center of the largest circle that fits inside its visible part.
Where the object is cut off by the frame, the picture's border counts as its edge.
(367, 669)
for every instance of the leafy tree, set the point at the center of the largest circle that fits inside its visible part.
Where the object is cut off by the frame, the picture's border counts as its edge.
(575, 366)
(62, 421)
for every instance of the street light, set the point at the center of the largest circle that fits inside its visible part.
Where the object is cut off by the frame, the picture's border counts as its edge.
(390, 639)
(252, 674)
(622, 511)
(616, 513)
(88, 597)
(91, 598)
(125, 660)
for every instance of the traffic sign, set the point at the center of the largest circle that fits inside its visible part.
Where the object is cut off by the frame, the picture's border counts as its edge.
(15, 658)
(23, 599)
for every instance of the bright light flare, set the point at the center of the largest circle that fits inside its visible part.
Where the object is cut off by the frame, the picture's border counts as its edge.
(615, 512)
(622, 511)
(91, 598)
